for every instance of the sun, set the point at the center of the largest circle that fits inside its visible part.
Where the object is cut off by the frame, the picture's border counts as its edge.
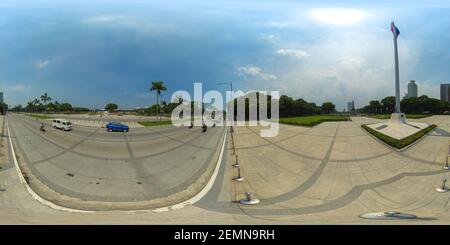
(337, 16)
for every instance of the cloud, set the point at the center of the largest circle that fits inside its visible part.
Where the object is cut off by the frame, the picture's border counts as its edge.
(131, 22)
(292, 52)
(20, 88)
(341, 68)
(255, 71)
(106, 19)
(42, 64)
(337, 16)
(270, 37)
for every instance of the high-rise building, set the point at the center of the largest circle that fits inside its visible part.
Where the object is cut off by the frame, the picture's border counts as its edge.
(412, 89)
(351, 106)
(445, 92)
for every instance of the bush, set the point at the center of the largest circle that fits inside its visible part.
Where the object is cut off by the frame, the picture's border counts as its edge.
(310, 121)
(399, 144)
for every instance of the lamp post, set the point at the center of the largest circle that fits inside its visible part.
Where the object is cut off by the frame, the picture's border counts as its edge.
(231, 90)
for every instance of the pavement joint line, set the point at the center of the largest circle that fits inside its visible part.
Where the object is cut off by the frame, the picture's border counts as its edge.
(183, 204)
(103, 158)
(205, 189)
(43, 178)
(31, 191)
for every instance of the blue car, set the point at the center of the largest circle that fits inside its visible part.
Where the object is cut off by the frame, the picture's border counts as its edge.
(116, 126)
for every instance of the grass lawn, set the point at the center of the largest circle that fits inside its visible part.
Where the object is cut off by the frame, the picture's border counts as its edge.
(312, 120)
(408, 116)
(399, 144)
(39, 116)
(155, 123)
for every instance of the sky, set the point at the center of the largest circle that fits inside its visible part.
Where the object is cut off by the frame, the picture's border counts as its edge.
(90, 53)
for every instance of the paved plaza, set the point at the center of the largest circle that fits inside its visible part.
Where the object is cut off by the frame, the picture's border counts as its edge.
(330, 173)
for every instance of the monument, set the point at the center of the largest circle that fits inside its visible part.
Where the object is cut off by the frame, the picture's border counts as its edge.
(397, 116)
(397, 127)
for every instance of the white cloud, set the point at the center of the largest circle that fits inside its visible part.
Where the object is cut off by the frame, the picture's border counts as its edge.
(42, 64)
(131, 22)
(337, 16)
(270, 37)
(292, 52)
(105, 19)
(340, 68)
(19, 88)
(255, 71)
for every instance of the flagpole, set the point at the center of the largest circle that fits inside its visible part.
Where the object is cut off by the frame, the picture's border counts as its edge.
(397, 78)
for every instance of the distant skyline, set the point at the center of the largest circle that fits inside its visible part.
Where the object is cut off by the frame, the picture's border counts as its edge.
(90, 53)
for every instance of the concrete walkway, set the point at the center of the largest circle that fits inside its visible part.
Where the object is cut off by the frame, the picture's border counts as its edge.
(330, 173)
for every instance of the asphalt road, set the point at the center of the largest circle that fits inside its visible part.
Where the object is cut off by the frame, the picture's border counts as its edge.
(115, 168)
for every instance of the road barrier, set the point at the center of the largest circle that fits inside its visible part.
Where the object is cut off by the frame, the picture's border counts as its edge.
(236, 164)
(249, 199)
(446, 158)
(3, 133)
(238, 178)
(443, 188)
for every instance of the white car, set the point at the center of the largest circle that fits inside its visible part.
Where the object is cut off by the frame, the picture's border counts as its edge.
(62, 124)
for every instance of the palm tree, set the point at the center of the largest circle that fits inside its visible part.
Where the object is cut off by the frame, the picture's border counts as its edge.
(45, 98)
(158, 86)
(36, 103)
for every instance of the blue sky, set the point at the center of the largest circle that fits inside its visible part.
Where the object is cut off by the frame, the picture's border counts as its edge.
(90, 53)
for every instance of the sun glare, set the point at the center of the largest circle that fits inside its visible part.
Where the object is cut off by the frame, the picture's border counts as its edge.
(337, 16)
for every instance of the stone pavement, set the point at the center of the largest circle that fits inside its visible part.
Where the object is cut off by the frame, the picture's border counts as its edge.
(326, 174)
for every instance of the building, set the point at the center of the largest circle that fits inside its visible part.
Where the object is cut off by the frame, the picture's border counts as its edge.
(445, 92)
(412, 89)
(1, 97)
(351, 106)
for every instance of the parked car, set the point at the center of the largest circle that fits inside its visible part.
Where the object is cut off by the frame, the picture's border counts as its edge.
(116, 126)
(62, 124)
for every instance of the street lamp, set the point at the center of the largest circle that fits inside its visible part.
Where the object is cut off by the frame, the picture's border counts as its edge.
(231, 90)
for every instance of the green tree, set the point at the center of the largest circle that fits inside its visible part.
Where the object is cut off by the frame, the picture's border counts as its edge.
(375, 106)
(111, 107)
(37, 104)
(3, 108)
(65, 107)
(158, 86)
(388, 104)
(328, 107)
(45, 99)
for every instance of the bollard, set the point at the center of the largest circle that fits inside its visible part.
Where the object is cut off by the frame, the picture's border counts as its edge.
(236, 165)
(238, 178)
(249, 200)
(443, 188)
(446, 163)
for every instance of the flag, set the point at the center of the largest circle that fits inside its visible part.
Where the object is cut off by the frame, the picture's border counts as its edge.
(394, 30)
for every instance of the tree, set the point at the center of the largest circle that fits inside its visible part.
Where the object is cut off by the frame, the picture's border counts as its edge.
(17, 108)
(375, 106)
(111, 107)
(388, 104)
(3, 108)
(328, 107)
(45, 99)
(158, 86)
(37, 103)
(51, 107)
(66, 107)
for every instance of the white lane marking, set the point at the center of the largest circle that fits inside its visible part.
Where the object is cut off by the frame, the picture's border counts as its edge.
(30, 190)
